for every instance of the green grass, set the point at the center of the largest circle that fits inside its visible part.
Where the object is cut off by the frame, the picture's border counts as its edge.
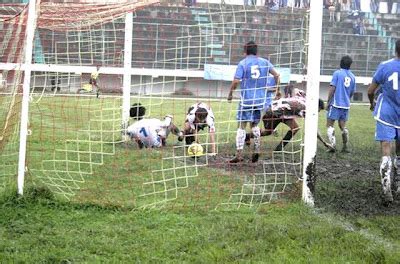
(104, 221)
(37, 229)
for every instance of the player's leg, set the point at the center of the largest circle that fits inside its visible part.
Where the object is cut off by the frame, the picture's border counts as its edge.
(98, 92)
(243, 116)
(385, 170)
(385, 134)
(270, 124)
(256, 117)
(396, 174)
(332, 115)
(240, 138)
(345, 135)
(326, 144)
(294, 128)
(344, 116)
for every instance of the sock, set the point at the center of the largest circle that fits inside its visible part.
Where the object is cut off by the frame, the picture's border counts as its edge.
(240, 137)
(385, 171)
(256, 133)
(345, 136)
(331, 136)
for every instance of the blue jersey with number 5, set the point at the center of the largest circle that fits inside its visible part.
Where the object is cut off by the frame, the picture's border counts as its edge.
(345, 85)
(387, 109)
(253, 72)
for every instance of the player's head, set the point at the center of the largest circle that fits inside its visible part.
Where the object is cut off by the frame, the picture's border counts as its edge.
(137, 111)
(201, 115)
(345, 62)
(250, 48)
(398, 48)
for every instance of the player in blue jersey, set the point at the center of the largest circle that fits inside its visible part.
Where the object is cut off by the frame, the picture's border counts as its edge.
(385, 83)
(252, 73)
(343, 86)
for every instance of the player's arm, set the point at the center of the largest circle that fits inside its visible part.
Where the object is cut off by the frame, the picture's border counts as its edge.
(371, 94)
(239, 74)
(234, 84)
(212, 140)
(330, 95)
(277, 78)
(211, 133)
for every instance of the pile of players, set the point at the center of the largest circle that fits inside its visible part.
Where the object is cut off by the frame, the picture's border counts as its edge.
(261, 99)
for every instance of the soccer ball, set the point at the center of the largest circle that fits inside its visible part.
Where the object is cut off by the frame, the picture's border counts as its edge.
(195, 150)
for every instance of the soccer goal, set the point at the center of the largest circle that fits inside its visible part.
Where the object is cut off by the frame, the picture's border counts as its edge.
(71, 71)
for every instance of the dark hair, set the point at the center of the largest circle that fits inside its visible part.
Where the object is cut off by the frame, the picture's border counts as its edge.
(398, 48)
(250, 48)
(321, 104)
(137, 111)
(201, 114)
(346, 62)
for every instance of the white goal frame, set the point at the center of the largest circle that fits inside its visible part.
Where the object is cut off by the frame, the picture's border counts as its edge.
(313, 81)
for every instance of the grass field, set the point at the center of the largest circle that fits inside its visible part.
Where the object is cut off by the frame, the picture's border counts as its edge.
(348, 225)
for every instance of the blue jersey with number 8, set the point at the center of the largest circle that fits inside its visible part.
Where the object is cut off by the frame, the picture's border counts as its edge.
(387, 109)
(345, 85)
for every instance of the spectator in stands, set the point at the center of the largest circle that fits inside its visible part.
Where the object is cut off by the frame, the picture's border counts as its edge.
(337, 10)
(346, 5)
(356, 5)
(359, 27)
(374, 5)
(389, 6)
(306, 3)
(282, 3)
(188, 3)
(273, 5)
(331, 9)
(297, 3)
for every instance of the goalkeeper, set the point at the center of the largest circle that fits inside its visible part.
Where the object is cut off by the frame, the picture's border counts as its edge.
(150, 132)
(286, 110)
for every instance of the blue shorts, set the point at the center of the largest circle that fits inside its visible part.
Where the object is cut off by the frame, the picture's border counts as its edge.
(386, 133)
(249, 114)
(335, 113)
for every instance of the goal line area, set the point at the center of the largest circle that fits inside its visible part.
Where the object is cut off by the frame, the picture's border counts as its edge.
(91, 66)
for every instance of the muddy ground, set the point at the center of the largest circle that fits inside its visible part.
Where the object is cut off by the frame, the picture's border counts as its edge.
(351, 188)
(343, 186)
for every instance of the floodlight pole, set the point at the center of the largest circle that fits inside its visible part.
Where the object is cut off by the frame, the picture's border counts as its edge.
(311, 120)
(126, 89)
(30, 32)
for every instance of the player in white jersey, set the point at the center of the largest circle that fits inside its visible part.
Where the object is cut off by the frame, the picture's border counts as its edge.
(199, 116)
(286, 110)
(150, 132)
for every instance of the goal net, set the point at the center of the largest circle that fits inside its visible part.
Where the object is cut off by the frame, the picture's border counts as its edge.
(77, 144)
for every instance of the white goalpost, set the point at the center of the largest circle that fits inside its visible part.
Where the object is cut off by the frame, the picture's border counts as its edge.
(157, 56)
(311, 120)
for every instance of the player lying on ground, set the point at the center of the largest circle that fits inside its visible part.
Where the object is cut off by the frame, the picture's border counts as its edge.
(286, 110)
(150, 132)
(385, 83)
(199, 116)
